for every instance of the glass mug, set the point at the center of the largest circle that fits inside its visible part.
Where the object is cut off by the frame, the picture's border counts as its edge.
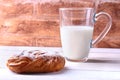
(76, 30)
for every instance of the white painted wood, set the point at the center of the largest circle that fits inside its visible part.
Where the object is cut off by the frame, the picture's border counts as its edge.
(103, 64)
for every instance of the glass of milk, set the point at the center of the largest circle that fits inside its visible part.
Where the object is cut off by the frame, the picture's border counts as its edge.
(76, 30)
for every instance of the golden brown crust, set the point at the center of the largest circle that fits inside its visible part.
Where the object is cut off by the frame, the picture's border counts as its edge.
(35, 62)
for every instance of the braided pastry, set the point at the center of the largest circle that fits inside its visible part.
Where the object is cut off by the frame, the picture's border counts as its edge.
(35, 61)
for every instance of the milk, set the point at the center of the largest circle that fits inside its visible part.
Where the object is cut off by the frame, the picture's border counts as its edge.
(76, 41)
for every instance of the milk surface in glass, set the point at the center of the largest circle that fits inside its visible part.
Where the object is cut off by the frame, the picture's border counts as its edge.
(76, 41)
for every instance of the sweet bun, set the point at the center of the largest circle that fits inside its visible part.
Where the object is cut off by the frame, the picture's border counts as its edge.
(36, 61)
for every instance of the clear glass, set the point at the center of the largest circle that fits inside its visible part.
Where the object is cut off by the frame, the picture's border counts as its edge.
(76, 29)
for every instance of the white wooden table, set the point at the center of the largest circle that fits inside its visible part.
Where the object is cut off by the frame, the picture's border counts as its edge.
(103, 64)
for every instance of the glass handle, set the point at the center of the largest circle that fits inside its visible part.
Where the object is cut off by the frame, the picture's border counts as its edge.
(106, 29)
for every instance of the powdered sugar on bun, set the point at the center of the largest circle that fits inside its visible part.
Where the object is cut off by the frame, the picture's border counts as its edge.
(36, 61)
(37, 53)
